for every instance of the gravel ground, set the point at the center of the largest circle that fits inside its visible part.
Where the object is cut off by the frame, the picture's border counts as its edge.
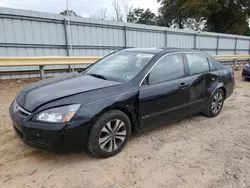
(195, 152)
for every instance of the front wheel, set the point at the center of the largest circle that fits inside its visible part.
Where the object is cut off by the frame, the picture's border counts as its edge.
(215, 103)
(109, 134)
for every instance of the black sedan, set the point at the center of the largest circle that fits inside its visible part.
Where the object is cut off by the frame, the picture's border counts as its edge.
(123, 93)
(246, 72)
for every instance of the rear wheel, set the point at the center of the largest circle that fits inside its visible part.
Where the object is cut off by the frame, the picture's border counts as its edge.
(109, 134)
(215, 103)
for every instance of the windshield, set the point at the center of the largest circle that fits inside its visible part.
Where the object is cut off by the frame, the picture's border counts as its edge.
(120, 66)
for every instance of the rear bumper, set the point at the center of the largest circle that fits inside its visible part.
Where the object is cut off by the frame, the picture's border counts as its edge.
(64, 138)
(229, 89)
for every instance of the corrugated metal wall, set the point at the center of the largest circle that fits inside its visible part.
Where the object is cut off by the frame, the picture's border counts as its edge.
(31, 33)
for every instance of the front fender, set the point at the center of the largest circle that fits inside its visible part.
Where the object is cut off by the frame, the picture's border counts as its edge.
(92, 110)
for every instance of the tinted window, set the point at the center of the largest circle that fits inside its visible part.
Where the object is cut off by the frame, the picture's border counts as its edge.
(168, 68)
(197, 63)
(211, 65)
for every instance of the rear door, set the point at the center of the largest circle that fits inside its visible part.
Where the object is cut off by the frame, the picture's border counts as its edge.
(165, 95)
(203, 78)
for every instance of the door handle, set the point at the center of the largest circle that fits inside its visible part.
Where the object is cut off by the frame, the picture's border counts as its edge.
(183, 85)
(213, 78)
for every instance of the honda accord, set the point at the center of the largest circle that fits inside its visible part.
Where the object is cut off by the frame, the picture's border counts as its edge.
(125, 92)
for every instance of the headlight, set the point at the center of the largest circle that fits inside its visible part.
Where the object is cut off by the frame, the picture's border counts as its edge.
(58, 115)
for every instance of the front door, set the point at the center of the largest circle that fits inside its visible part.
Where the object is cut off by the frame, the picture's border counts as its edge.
(165, 95)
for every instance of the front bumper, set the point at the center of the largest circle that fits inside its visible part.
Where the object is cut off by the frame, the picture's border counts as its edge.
(59, 138)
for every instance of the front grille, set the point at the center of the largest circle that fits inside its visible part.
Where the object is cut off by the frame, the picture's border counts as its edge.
(17, 108)
(41, 141)
(23, 113)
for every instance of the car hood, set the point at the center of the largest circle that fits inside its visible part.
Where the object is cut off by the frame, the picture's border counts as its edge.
(58, 87)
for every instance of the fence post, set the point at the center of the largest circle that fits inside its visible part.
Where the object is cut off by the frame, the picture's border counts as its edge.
(217, 45)
(66, 40)
(42, 73)
(125, 36)
(235, 46)
(195, 40)
(235, 67)
(166, 38)
(66, 36)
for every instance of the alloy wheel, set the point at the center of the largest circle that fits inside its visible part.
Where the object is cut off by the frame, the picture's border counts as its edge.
(112, 135)
(217, 103)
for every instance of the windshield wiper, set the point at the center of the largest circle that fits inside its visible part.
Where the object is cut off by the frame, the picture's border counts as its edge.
(98, 76)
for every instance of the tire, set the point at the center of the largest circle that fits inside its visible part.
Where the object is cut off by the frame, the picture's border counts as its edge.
(215, 101)
(109, 134)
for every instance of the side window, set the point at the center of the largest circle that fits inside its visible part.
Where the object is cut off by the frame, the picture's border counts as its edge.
(211, 65)
(197, 63)
(170, 67)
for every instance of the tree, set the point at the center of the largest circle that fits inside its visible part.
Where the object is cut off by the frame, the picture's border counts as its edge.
(118, 12)
(121, 12)
(173, 13)
(141, 16)
(127, 8)
(100, 15)
(70, 13)
(230, 16)
(224, 16)
(247, 31)
(195, 24)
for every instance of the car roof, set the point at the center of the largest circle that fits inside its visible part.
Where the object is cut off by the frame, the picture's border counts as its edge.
(158, 50)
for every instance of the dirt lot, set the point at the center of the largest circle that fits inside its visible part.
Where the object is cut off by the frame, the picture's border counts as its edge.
(196, 152)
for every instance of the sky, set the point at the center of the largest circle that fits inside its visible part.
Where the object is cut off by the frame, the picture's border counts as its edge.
(85, 8)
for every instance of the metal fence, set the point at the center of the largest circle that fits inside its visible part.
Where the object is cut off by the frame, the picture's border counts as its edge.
(30, 33)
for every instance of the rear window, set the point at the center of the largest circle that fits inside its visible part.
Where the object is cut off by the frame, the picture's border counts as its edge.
(198, 63)
(211, 65)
